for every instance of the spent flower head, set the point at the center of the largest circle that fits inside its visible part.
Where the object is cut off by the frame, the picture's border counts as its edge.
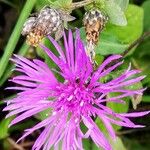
(75, 101)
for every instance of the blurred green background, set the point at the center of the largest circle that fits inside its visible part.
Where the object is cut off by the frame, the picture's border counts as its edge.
(132, 41)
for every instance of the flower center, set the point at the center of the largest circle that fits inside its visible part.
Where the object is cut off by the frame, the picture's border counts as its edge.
(74, 97)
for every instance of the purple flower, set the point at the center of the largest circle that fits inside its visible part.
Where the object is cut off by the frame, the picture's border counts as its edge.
(73, 102)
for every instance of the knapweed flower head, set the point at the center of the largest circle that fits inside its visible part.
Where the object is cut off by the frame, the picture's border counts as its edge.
(75, 101)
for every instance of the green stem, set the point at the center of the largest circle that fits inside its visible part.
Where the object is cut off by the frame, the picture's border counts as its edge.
(15, 35)
(8, 71)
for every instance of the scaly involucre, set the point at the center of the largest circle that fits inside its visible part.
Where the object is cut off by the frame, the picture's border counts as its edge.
(75, 101)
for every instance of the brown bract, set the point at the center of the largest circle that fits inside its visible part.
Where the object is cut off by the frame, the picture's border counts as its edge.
(94, 22)
(48, 21)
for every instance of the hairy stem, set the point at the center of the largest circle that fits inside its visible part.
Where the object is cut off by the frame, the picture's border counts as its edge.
(81, 4)
(131, 131)
(136, 43)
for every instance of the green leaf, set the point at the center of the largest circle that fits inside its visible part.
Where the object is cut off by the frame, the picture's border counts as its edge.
(44, 114)
(108, 43)
(115, 13)
(146, 7)
(146, 81)
(117, 107)
(4, 127)
(101, 126)
(146, 98)
(23, 126)
(118, 144)
(40, 52)
(87, 144)
(134, 28)
(123, 4)
(136, 99)
(99, 59)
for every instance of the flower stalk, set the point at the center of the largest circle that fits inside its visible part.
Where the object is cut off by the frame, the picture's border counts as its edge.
(81, 4)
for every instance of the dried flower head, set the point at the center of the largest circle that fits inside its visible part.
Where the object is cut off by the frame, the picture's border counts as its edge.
(75, 101)
(94, 22)
(46, 22)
